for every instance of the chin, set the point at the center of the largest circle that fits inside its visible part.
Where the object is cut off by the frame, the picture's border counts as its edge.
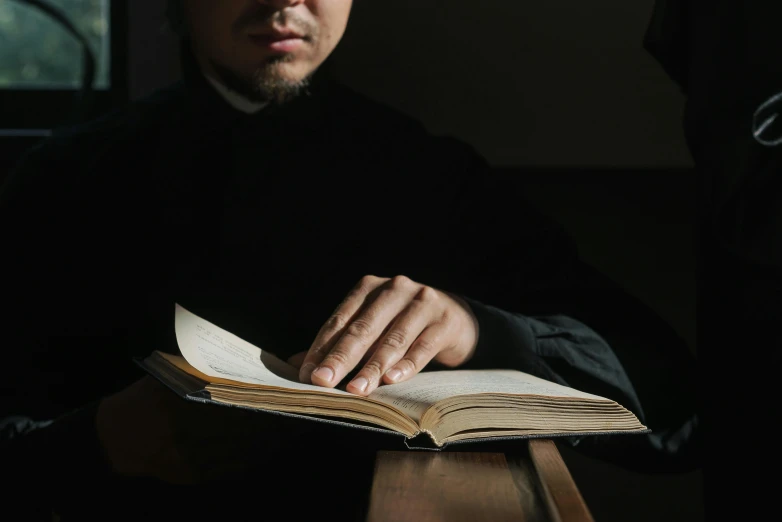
(290, 70)
(279, 86)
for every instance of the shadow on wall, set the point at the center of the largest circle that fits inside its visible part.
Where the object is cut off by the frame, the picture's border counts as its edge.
(562, 82)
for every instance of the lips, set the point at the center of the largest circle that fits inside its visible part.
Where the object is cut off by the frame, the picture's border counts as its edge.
(276, 36)
(278, 41)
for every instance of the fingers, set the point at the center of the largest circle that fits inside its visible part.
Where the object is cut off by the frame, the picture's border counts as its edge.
(335, 326)
(396, 342)
(364, 331)
(297, 360)
(424, 349)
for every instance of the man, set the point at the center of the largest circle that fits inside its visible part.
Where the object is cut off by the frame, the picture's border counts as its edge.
(261, 195)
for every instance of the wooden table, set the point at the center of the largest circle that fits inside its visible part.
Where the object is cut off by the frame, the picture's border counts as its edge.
(533, 486)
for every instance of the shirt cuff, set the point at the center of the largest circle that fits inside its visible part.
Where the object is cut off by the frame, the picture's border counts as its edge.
(505, 341)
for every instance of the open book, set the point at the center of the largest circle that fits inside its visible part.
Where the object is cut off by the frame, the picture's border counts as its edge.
(448, 406)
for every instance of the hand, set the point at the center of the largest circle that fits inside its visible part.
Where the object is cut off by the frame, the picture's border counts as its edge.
(395, 327)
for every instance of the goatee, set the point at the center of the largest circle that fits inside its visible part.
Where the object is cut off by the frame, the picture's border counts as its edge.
(266, 85)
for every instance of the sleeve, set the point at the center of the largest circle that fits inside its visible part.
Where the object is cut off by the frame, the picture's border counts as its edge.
(41, 265)
(29, 281)
(564, 350)
(70, 286)
(48, 440)
(542, 310)
(49, 466)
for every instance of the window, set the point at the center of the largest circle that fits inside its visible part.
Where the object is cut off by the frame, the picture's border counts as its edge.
(38, 53)
(42, 63)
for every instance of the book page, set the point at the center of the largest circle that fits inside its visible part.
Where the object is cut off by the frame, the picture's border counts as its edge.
(218, 353)
(424, 390)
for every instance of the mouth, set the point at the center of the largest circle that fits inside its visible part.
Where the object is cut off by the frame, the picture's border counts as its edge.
(284, 41)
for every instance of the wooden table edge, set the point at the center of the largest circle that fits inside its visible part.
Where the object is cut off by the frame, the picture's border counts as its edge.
(563, 498)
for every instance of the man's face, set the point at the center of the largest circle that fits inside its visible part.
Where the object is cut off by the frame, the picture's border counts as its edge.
(264, 49)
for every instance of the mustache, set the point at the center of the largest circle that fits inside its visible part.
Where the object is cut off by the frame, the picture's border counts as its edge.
(265, 16)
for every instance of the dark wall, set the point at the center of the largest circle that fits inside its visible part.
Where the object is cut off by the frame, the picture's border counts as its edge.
(560, 82)
(153, 61)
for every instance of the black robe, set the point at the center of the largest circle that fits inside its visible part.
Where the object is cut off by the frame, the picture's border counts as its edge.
(261, 224)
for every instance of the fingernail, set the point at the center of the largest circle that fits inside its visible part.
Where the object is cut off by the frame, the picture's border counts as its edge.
(324, 373)
(360, 384)
(394, 374)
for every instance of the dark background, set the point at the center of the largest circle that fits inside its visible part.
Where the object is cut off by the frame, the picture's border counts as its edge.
(561, 96)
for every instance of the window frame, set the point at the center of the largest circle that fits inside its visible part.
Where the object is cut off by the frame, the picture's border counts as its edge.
(41, 110)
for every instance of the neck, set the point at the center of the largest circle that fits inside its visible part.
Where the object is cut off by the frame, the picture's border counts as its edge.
(233, 98)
